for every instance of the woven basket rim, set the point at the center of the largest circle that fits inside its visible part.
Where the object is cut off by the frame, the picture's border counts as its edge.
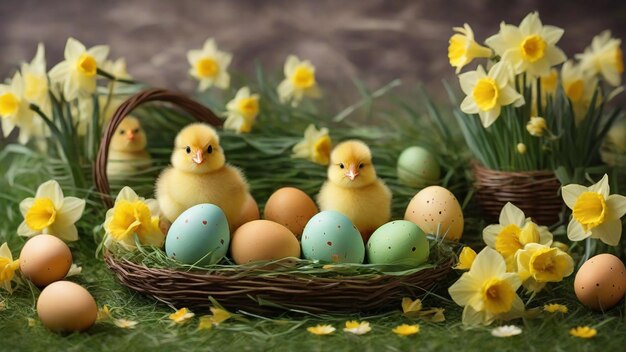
(533, 173)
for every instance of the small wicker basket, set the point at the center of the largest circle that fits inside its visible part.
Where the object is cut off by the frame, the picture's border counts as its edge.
(240, 288)
(535, 192)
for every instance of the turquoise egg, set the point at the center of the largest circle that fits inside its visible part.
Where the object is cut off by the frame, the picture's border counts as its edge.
(331, 237)
(417, 167)
(398, 242)
(200, 235)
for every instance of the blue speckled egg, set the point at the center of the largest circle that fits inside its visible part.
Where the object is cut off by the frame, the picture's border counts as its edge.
(398, 242)
(331, 237)
(199, 235)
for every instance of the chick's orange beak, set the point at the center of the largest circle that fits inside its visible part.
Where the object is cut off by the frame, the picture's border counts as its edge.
(130, 136)
(198, 159)
(352, 172)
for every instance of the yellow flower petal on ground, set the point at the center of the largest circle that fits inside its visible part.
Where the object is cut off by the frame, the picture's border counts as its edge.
(242, 111)
(104, 313)
(125, 324)
(536, 126)
(462, 48)
(8, 266)
(584, 332)
(315, 146)
(604, 57)
(209, 65)
(206, 322)
(555, 308)
(506, 331)
(220, 315)
(466, 258)
(321, 330)
(181, 316)
(299, 81)
(357, 328)
(31, 322)
(406, 330)
(409, 305)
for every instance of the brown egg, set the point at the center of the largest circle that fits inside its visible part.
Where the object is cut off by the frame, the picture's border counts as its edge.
(601, 282)
(64, 306)
(435, 206)
(263, 240)
(290, 207)
(45, 259)
(249, 212)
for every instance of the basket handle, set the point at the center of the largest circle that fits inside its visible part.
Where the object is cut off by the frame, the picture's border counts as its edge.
(197, 110)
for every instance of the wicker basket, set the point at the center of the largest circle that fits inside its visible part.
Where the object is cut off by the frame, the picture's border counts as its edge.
(240, 288)
(535, 192)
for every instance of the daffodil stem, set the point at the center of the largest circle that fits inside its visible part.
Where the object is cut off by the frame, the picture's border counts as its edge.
(109, 76)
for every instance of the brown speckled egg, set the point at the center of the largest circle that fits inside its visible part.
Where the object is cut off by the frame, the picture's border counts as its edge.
(45, 259)
(249, 212)
(290, 207)
(263, 240)
(64, 306)
(601, 282)
(434, 206)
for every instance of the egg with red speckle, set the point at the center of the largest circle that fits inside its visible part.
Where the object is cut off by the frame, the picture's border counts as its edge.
(332, 238)
(436, 211)
(199, 236)
(601, 282)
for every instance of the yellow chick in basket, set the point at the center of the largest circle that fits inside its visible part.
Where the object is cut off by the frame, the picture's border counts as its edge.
(127, 151)
(199, 174)
(353, 188)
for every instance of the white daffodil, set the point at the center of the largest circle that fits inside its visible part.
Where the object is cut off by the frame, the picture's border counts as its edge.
(8, 266)
(513, 232)
(299, 81)
(51, 213)
(15, 110)
(132, 215)
(209, 65)
(487, 93)
(315, 146)
(604, 57)
(462, 48)
(35, 78)
(529, 48)
(595, 213)
(77, 74)
(242, 111)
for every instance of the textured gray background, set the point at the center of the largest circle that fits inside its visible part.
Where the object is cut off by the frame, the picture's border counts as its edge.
(374, 40)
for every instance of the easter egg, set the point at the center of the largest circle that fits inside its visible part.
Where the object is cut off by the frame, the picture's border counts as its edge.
(290, 207)
(601, 282)
(249, 212)
(417, 167)
(263, 240)
(398, 242)
(436, 211)
(199, 235)
(64, 306)
(45, 259)
(331, 237)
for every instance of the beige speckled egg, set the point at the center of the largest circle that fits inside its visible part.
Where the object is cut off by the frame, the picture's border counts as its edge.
(263, 240)
(64, 306)
(434, 206)
(45, 259)
(601, 282)
(290, 207)
(249, 212)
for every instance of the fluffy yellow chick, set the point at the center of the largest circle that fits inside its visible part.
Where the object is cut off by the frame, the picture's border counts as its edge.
(127, 151)
(199, 174)
(353, 188)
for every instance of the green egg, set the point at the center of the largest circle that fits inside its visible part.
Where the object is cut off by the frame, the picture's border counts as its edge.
(398, 242)
(417, 167)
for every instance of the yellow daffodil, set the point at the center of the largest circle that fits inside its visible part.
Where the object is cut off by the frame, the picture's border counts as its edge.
(242, 111)
(521, 148)
(117, 68)
(506, 331)
(413, 309)
(409, 305)
(357, 328)
(15, 111)
(555, 308)
(219, 315)
(104, 313)
(463, 48)
(604, 57)
(536, 126)
(51, 213)
(513, 232)
(406, 330)
(125, 324)
(595, 213)
(579, 87)
(8, 266)
(132, 215)
(35, 79)
(321, 330)
(299, 81)
(209, 65)
(529, 48)
(560, 245)
(466, 258)
(487, 93)
(181, 316)
(78, 73)
(315, 146)
(538, 264)
(205, 323)
(584, 332)
(487, 291)
(549, 83)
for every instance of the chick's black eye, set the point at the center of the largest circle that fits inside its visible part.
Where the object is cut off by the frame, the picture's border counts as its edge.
(361, 165)
(209, 149)
(188, 150)
(136, 130)
(122, 131)
(341, 165)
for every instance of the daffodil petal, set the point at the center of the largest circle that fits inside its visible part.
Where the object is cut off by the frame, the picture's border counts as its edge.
(71, 211)
(67, 233)
(51, 189)
(26, 204)
(570, 194)
(608, 232)
(25, 231)
(127, 194)
(511, 214)
(616, 205)
(463, 291)
(490, 233)
(601, 187)
(73, 49)
(575, 231)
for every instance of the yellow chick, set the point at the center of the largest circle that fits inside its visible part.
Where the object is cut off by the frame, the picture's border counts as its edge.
(199, 174)
(354, 190)
(127, 151)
